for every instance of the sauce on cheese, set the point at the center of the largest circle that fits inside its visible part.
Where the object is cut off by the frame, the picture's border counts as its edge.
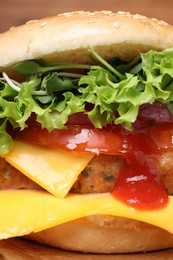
(26, 211)
(140, 182)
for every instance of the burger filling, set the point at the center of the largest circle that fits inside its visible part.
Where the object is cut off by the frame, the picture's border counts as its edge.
(99, 176)
(118, 111)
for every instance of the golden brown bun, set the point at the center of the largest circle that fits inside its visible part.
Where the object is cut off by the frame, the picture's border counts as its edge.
(105, 234)
(65, 37)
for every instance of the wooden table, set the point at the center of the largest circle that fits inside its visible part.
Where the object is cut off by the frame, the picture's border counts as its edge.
(18, 249)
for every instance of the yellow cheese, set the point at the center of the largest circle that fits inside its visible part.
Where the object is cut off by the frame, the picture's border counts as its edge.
(55, 170)
(22, 211)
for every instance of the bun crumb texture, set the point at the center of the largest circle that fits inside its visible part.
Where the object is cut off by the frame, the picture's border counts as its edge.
(66, 37)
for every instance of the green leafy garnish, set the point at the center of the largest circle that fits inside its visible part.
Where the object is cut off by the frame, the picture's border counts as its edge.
(107, 91)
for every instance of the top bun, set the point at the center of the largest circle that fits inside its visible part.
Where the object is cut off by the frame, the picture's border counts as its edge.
(65, 37)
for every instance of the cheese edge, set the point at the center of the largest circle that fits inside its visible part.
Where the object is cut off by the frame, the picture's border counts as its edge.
(26, 211)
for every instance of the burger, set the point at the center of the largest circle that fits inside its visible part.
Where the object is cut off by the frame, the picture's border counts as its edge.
(86, 132)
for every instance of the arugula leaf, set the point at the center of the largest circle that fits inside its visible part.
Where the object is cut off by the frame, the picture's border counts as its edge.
(31, 67)
(114, 90)
(54, 84)
(28, 67)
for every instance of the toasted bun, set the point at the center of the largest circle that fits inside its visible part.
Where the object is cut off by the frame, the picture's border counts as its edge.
(66, 38)
(105, 234)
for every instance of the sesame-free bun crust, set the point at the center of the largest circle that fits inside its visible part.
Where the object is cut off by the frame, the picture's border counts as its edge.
(65, 37)
(105, 234)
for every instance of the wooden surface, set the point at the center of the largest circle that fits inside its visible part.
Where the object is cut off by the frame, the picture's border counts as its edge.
(15, 12)
(17, 249)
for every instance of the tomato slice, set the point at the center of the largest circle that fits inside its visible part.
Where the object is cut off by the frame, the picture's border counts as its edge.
(80, 134)
(108, 140)
(162, 135)
(140, 183)
(76, 138)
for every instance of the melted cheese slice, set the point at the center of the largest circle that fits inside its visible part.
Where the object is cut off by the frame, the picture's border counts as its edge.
(23, 212)
(55, 170)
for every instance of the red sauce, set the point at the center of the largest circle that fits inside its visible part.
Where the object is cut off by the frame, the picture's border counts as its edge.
(140, 183)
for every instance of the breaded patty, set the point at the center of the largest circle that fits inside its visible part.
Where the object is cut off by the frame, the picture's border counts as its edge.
(11, 178)
(99, 176)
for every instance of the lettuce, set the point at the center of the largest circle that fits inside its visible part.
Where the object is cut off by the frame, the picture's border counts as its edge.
(108, 92)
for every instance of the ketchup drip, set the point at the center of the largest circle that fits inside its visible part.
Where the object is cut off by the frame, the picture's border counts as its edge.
(140, 183)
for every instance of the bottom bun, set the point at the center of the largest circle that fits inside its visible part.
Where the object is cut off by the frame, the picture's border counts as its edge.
(105, 234)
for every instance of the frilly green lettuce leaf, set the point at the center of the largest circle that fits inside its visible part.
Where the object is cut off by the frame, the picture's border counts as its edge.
(107, 91)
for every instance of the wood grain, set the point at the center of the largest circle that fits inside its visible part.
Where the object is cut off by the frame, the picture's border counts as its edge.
(18, 249)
